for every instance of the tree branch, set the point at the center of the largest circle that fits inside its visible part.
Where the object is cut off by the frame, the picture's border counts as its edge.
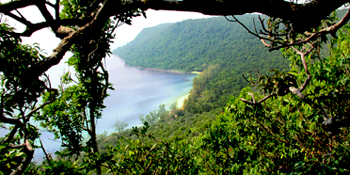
(35, 27)
(17, 18)
(260, 101)
(10, 120)
(48, 156)
(314, 36)
(10, 136)
(30, 152)
(17, 4)
(302, 54)
(303, 16)
(281, 40)
(38, 108)
(96, 24)
(47, 15)
(57, 10)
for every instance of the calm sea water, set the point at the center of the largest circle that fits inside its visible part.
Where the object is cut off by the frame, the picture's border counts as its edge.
(136, 92)
(139, 92)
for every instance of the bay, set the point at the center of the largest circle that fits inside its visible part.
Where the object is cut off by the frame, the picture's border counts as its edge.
(137, 91)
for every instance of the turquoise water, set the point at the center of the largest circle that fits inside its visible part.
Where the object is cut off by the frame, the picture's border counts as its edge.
(139, 92)
(136, 92)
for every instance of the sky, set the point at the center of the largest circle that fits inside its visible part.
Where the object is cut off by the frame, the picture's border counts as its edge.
(127, 33)
(124, 33)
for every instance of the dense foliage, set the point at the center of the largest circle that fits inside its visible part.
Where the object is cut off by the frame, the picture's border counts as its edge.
(291, 121)
(192, 45)
(286, 134)
(18, 99)
(29, 104)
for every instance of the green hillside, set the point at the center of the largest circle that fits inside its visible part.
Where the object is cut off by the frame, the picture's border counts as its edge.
(194, 44)
(221, 49)
(218, 133)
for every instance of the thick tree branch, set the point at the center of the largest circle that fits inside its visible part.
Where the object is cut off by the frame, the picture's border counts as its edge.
(10, 120)
(275, 40)
(313, 36)
(7, 7)
(57, 10)
(19, 19)
(84, 32)
(10, 136)
(35, 27)
(303, 16)
(47, 15)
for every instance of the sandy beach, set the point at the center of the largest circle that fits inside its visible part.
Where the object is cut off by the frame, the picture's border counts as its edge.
(180, 101)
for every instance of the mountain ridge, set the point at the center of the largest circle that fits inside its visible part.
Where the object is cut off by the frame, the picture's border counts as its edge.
(192, 44)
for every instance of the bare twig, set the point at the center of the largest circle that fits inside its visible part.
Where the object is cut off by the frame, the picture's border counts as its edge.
(48, 156)
(252, 95)
(302, 56)
(106, 78)
(281, 40)
(39, 107)
(246, 28)
(267, 97)
(322, 32)
(260, 101)
(115, 26)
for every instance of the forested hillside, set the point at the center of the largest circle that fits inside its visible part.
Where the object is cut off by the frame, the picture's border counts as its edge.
(222, 50)
(274, 125)
(192, 45)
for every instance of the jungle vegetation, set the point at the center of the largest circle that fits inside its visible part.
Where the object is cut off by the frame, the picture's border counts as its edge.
(220, 49)
(291, 121)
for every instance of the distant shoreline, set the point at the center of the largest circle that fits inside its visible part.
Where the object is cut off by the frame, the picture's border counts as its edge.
(164, 70)
(180, 101)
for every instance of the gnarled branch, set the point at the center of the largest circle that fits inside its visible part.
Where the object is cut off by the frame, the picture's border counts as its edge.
(278, 40)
